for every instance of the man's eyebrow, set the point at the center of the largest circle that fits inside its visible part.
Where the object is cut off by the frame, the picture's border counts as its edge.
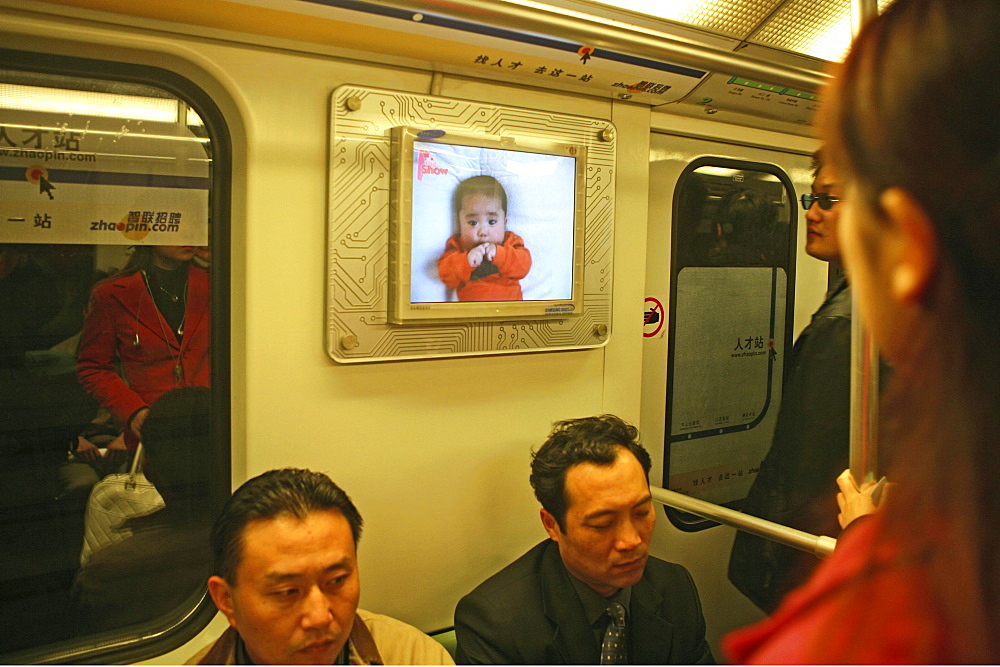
(600, 513)
(280, 577)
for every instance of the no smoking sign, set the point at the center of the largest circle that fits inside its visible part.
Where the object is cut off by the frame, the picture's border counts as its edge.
(652, 318)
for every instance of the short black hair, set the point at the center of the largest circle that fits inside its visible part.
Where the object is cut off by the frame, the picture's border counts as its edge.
(819, 161)
(288, 491)
(752, 217)
(573, 441)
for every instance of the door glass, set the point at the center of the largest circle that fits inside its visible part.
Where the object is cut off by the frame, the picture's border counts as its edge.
(730, 324)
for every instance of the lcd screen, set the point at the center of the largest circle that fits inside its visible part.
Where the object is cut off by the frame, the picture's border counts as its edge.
(487, 224)
(464, 194)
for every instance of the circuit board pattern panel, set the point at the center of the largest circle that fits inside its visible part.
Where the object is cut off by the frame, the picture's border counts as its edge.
(358, 288)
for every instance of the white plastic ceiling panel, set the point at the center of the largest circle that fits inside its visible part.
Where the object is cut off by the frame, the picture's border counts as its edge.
(727, 17)
(819, 29)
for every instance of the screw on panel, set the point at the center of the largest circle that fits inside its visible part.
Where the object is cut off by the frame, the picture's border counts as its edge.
(353, 103)
(711, 110)
(607, 134)
(624, 96)
(349, 342)
(601, 331)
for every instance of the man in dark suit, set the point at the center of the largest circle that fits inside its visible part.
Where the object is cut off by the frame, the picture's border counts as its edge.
(592, 593)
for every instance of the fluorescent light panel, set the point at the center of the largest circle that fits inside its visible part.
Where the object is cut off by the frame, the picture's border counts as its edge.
(820, 30)
(736, 19)
(87, 103)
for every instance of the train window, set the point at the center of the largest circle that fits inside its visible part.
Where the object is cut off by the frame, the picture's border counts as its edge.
(114, 357)
(731, 305)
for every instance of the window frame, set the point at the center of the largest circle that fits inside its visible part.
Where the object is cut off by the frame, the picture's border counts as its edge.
(144, 642)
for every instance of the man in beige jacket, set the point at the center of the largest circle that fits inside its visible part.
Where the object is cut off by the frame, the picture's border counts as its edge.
(286, 577)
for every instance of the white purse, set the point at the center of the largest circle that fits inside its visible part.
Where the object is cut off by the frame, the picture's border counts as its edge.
(113, 501)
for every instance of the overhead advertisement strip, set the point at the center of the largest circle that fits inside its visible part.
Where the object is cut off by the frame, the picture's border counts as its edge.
(524, 22)
(513, 35)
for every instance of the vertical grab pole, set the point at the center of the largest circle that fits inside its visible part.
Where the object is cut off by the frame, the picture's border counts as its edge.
(864, 400)
(861, 12)
(864, 352)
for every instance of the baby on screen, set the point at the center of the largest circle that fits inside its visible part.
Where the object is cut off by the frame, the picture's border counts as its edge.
(483, 261)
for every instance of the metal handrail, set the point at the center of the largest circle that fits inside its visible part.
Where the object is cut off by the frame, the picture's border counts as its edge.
(818, 545)
(600, 32)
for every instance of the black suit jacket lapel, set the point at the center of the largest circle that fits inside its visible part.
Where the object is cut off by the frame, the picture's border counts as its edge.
(651, 636)
(572, 643)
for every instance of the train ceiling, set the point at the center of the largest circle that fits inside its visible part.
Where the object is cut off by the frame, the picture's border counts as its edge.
(753, 62)
(808, 27)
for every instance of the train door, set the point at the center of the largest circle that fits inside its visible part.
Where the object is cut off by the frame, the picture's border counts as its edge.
(726, 274)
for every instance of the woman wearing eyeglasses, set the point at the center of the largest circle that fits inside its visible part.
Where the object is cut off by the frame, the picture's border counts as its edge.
(810, 447)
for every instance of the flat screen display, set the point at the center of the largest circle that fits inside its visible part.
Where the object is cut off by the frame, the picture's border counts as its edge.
(484, 228)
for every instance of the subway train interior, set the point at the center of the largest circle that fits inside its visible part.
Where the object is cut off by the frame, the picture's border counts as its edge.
(303, 153)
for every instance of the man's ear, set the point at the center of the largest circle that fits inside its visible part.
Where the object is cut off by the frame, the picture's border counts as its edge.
(914, 251)
(551, 525)
(222, 595)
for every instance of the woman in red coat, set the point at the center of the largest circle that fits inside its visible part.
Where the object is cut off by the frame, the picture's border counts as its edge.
(913, 129)
(153, 319)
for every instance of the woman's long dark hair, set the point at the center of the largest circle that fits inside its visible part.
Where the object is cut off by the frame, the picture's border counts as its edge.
(915, 106)
(141, 259)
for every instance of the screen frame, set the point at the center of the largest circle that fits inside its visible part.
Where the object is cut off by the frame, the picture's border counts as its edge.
(403, 311)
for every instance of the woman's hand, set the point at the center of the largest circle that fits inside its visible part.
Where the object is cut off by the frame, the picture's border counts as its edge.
(856, 501)
(86, 450)
(138, 419)
(116, 452)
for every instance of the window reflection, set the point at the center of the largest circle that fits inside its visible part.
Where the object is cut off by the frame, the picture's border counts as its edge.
(722, 221)
(147, 534)
(146, 332)
(105, 335)
(747, 230)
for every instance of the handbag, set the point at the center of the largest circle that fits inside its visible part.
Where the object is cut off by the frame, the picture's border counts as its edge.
(112, 502)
